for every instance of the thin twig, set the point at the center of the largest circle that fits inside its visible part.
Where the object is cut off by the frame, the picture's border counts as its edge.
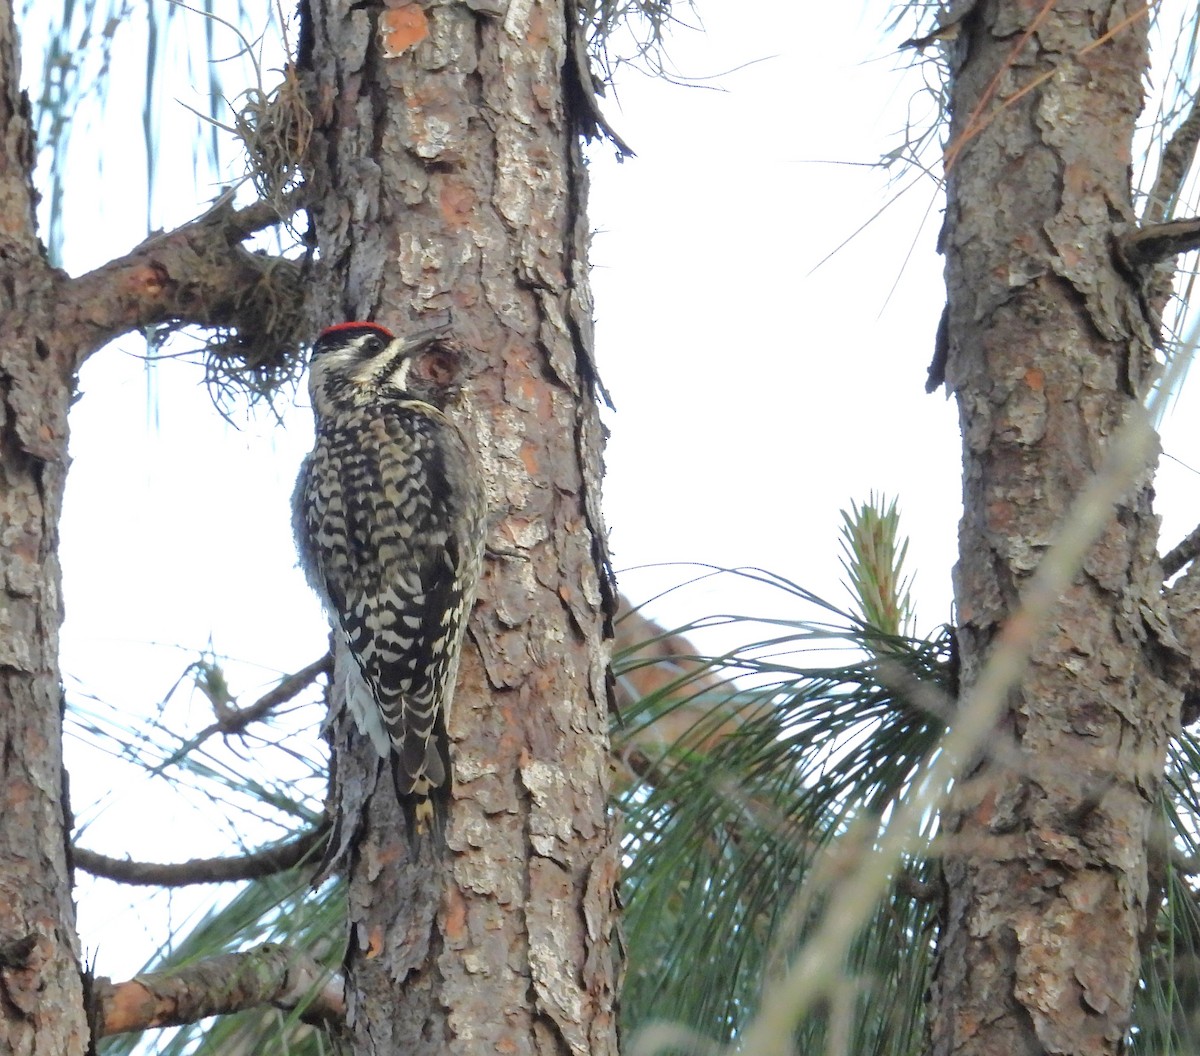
(235, 720)
(273, 859)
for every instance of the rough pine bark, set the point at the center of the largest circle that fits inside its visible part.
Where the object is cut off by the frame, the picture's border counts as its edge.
(445, 173)
(41, 995)
(1049, 349)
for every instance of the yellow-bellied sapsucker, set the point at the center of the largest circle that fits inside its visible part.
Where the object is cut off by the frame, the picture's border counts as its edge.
(389, 514)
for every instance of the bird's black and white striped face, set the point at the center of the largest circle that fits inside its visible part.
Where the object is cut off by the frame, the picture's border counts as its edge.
(354, 363)
(350, 361)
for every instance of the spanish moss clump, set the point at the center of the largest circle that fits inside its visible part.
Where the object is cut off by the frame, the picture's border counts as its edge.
(264, 354)
(276, 128)
(238, 370)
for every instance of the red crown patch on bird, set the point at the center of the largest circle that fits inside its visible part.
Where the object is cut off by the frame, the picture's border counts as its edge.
(356, 326)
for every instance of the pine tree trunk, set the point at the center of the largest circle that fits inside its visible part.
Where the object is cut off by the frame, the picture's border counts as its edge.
(446, 174)
(41, 996)
(1050, 347)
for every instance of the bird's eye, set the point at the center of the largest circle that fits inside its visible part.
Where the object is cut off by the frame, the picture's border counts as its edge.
(372, 345)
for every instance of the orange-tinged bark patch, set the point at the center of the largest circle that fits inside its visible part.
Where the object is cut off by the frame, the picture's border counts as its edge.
(1028, 242)
(130, 1006)
(986, 808)
(148, 281)
(375, 942)
(533, 393)
(457, 201)
(401, 28)
(529, 458)
(1000, 516)
(538, 32)
(1035, 378)
(1019, 627)
(17, 795)
(25, 545)
(1078, 178)
(456, 916)
(1072, 255)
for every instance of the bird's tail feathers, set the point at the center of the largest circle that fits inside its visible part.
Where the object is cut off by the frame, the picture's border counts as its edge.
(426, 805)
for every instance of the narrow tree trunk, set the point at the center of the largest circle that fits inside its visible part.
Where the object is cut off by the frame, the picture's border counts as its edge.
(1045, 864)
(446, 174)
(41, 997)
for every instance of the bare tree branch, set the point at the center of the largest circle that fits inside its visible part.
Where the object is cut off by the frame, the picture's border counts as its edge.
(273, 859)
(1187, 864)
(661, 662)
(198, 273)
(1186, 551)
(1183, 612)
(268, 974)
(917, 889)
(1159, 242)
(1177, 158)
(235, 720)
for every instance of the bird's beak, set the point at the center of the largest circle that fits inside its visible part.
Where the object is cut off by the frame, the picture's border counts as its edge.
(424, 338)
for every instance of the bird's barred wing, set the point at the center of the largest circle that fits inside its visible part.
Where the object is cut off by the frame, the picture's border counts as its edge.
(391, 635)
(389, 520)
(402, 620)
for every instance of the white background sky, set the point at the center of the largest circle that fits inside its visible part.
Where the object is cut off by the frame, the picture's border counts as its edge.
(756, 396)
